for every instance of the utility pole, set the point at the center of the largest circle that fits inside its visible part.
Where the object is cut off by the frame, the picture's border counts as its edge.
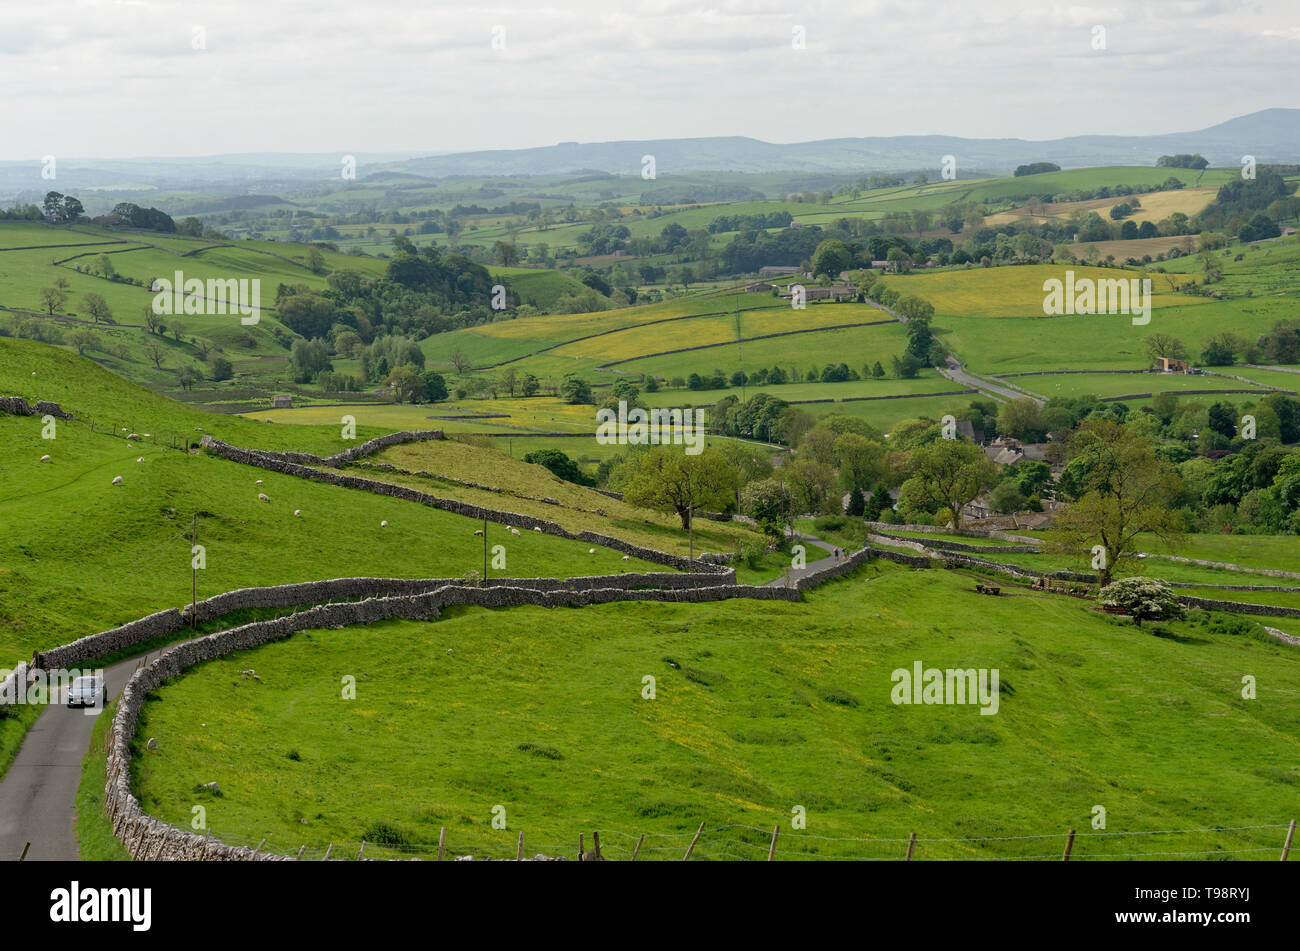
(690, 528)
(194, 573)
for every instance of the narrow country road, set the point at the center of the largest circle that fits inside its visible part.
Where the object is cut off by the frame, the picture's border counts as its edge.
(955, 373)
(38, 794)
(796, 573)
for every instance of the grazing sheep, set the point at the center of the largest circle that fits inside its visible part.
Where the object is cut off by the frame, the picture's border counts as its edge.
(478, 531)
(537, 528)
(262, 497)
(259, 482)
(140, 459)
(627, 557)
(384, 523)
(514, 531)
(133, 436)
(45, 458)
(591, 551)
(297, 513)
(117, 480)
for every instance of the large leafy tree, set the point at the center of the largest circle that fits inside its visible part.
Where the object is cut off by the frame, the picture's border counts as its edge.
(947, 474)
(668, 479)
(1118, 488)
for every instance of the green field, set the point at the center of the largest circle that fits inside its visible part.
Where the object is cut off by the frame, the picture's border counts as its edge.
(760, 707)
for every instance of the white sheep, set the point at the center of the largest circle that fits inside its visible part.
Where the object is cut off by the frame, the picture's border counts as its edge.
(627, 557)
(478, 531)
(258, 482)
(297, 513)
(514, 531)
(117, 480)
(537, 528)
(591, 551)
(140, 459)
(384, 523)
(133, 436)
(261, 496)
(45, 458)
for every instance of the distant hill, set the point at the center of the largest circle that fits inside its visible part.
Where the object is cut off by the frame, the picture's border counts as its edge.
(1271, 135)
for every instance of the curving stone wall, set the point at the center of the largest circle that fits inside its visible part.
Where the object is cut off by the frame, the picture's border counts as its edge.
(170, 621)
(147, 838)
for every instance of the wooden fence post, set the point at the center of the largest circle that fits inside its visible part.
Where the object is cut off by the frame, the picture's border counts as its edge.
(29, 845)
(259, 848)
(301, 850)
(328, 849)
(771, 851)
(637, 850)
(1069, 844)
(581, 849)
(362, 853)
(1286, 846)
(442, 842)
(595, 843)
(911, 846)
(691, 848)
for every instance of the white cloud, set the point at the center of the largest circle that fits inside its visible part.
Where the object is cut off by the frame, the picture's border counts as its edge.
(120, 77)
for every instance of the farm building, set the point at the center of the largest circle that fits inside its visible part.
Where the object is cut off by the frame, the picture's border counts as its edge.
(759, 287)
(835, 292)
(771, 270)
(281, 401)
(1170, 365)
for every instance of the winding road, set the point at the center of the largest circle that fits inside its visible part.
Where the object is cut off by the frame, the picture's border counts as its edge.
(38, 795)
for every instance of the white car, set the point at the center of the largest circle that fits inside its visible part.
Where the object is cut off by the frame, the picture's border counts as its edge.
(85, 692)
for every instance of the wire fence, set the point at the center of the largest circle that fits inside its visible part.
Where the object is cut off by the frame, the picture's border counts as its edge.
(738, 842)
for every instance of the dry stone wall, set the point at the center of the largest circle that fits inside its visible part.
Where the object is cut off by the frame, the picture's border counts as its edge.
(277, 462)
(170, 621)
(17, 406)
(147, 838)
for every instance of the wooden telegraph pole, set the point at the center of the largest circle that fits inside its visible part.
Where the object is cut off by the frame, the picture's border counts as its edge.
(194, 574)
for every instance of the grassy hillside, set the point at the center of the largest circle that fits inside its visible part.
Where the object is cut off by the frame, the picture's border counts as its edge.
(759, 708)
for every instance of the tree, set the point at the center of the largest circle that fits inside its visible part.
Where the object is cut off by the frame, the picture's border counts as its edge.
(459, 362)
(1022, 419)
(220, 368)
(151, 320)
(1006, 498)
(831, 257)
(530, 385)
(95, 305)
(406, 383)
(315, 260)
(861, 461)
(1164, 345)
(947, 474)
(576, 390)
(309, 357)
(84, 340)
(189, 376)
(155, 353)
(668, 479)
(1147, 599)
(1118, 488)
(435, 386)
(52, 298)
(768, 503)
(559, 465)
(810, 485)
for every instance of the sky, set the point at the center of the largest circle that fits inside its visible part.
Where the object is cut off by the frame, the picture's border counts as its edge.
(129, 78)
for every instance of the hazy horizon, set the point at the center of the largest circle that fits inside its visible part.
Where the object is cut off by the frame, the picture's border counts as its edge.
(164, 79)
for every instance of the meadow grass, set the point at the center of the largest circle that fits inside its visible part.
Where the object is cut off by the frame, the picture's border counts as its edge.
(760, 707)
